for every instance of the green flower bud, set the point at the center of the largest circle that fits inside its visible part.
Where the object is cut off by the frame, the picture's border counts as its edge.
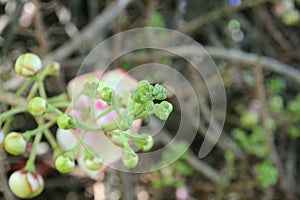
(129, 158)
(28, 64)
(106, 95)
(249, 119)
(66, 122)
(136, 97)
(25, 185)
(143, 93)
(159, 92)
(37, 106)
(93, 163)
(291, 17)
(163, 110)
(64, 164)
(144, 86)
(53, 68)
(15, 143)
(146, 144)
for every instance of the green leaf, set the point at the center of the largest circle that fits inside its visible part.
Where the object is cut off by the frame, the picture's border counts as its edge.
(266, 173)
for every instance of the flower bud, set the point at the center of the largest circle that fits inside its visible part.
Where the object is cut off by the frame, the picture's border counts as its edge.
(93, 163)
(129, 158)
(15, 143)
(291, 17)
(25, 185)
(64, 164)
(159, 92)
(146, 144)
(163, 110)
(28, 64)
(37, 106)
(66, 122)
(249, 119)
(106, 95)
(53, 68)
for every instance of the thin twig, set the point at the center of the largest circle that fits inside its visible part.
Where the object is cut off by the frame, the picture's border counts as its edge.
(200, 166)
(249, 59)
(216, 14)
(99, 24)
(40, 32)
(274, 156)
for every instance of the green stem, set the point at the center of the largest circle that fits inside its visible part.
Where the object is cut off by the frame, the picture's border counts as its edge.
(6, 126)
(51, 140)
(137, 110)
(116, 107)
(125, 141)
(92, 106)
(11, 112)
(127, 135)
(51, 108)
(23, 87)
(58, 99)
(71, 153)
(28, 134)
(29, 167)
(87, 149)
(36, 86)
(61, 104)
(103, 113)
(41, 87)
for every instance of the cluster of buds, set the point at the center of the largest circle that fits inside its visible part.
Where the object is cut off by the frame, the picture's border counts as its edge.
(98, 128)
(114, 113)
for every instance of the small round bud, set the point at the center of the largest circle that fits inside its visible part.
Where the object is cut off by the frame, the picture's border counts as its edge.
(28, 64)
(163, 110)
(249, 119)
(15, 143)
(64, 164)
(101, 85)
(129, 158)
(291, 17)
(37, 106)
(159, 92)
(93, 163)
(146, 144)
(53, 68)
(106, 95)
(66, 122)
(25, 185)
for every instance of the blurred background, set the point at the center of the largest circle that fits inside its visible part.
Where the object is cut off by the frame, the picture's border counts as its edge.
(256, 47)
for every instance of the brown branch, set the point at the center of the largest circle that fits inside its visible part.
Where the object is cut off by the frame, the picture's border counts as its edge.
(99, 24)
(274, 156)
(216, 14)
(249, 59)
(40, 32)
(193, 160)
(272, 30)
